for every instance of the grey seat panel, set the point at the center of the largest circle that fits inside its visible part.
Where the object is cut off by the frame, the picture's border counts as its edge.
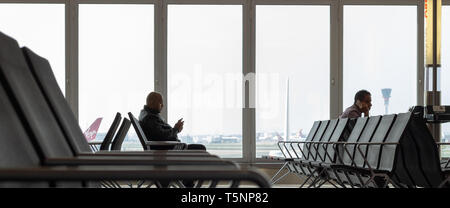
(366, 136)
(106, 143)
(43, 74)
(354, 137)
(310, 137)
(308, 148)
(337, 136)
(313, 131)
(23, 88)
(16, 150)
(388, 152)
(326, 138)
(374, 151)
(121, 134)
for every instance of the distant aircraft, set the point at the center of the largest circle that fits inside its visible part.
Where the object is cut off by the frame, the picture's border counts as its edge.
(300, 134)
(91, 132)
(279, 137)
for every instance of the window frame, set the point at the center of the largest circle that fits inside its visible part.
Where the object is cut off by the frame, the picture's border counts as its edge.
(248, 51)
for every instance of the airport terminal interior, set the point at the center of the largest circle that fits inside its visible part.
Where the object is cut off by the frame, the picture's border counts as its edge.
(265, 86)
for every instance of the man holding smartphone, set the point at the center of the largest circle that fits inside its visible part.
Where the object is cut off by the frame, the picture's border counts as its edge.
(154, 126)
(362, 104)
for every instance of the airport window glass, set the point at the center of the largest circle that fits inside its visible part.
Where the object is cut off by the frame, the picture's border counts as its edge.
(39, 27)
(380, 52)
(205, 75)
(292, 49)
(445, 75)
(116, 47)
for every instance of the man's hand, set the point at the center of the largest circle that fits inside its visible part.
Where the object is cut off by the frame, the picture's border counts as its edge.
(179, 125)
(365, 109)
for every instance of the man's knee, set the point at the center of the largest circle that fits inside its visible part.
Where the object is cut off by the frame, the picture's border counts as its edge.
(196, 147)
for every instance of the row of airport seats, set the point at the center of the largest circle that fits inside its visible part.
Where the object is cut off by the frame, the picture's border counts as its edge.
(394, 150)
(41, 143)
(115, 137)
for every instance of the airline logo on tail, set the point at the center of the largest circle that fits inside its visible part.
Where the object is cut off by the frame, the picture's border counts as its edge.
(91, 132)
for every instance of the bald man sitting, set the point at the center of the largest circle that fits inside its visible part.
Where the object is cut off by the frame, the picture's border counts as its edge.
(154, 126)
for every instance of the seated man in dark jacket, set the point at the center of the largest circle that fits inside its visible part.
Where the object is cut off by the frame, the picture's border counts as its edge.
(153, 125)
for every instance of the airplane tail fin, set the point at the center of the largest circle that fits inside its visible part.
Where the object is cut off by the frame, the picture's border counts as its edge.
(91, 132)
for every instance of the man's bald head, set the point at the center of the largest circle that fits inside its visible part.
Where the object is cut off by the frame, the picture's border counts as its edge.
(155, 101)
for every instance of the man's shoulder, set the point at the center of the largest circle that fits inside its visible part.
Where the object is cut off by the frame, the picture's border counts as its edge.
(351, 112)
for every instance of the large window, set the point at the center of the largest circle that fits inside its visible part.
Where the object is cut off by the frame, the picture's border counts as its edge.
(292, 51)
(445, 74)
(205, 75)
(380, 52)
(115, 63)
(39, 27)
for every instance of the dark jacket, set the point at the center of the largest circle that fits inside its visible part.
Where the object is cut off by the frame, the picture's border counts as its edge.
(155, 128)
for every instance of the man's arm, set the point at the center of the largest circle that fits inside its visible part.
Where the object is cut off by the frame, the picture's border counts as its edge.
(159, 131)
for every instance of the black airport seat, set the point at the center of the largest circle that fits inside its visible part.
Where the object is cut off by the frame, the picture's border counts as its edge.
(21, 163)
(45, 78)
(304, 157)
(366, 157)
(344, 156)
(121, 134)
(351, 154)
(307, 152)
(50, 142)
(424, 168)
(329, 153)
(47, 132)
(289, 153)
(106, 143)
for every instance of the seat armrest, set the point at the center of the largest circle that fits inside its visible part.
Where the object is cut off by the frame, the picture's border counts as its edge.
(163, 143)
(126, 161)
(94, 143)
(119, 173)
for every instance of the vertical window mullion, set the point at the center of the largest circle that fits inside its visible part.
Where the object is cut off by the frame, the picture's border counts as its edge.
(335, 59)
(248, 122)
(161, 53)
(72, 55)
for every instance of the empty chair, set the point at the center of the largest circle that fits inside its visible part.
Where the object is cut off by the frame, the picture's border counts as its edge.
(308, 153)
(121, 134)
(288, 156)
(106, 143)
(320, 149)
(366, 136)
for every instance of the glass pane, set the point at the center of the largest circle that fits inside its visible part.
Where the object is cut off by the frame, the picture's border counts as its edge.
(292, 47)
(39, 27)
(115, 64)
(380, 45)
(205, 75)
(445, 74)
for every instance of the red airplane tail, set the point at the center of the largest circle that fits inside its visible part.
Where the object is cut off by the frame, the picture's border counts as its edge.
(91, 132)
